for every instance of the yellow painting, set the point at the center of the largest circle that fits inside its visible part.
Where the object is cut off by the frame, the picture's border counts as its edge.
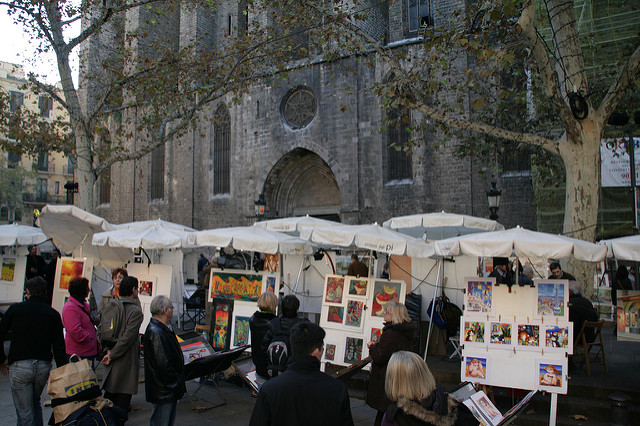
(8, 269)
(236, 286)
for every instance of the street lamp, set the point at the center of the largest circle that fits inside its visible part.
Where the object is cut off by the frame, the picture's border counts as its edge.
(260, 206)
(493, 197)
(71, 188)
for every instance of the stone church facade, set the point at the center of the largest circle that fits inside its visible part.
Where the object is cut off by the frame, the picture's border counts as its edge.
(315, 144)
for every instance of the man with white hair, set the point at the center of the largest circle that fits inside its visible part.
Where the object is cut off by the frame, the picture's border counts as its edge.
(163, 364)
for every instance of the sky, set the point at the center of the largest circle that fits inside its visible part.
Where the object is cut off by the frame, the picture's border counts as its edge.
(17, 49)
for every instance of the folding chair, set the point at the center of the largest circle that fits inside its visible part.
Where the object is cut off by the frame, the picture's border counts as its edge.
(457, 350)
(192, 312)
(581, 343)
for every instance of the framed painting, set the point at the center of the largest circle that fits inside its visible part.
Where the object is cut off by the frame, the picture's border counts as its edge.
(475, 367)
(342, 264)
(8, 271)
(147, 287)
(354, 317)
(500, 334)
(375, 335)
(329, 352)
(242, 285)
(272, 262)
(472, 332)
(270, 284)
(528, 336)
(195, 348)
(221, 317)
(240, 332)
(552, 375)
(353, 350)
(384, 292)
(558, 337)
(552, 299)
(332, 317)
(358, 287)
(333, 289)
(68, 268)
(478, 298)
(336, 314)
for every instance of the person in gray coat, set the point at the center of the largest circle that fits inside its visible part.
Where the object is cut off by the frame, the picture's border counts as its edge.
(123, 360)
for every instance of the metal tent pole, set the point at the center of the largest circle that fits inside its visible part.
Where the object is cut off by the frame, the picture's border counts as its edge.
(433, 307)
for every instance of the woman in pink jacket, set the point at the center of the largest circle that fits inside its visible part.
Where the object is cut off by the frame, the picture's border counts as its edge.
(80, 336)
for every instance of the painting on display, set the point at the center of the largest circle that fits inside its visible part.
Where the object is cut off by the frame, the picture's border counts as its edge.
(330, 352)
(221, 324)
(558, 338)
(528, 336)
(354, 314)
(551, 375)
(271, 284)
(358, 287)
(241, 331)
(195, 348)
(336, 314)
(628, 315)
(342, 264)
(501, 334)
(479, 295)
(384, 292)
(146, 288)
(475, 367)
(237, 286)
(353, 350)
(70, 268)
(375, 335)
(602, 295)
(8, 271)
(552, 299)
(271, 263)
(473, 332)
(333, 289)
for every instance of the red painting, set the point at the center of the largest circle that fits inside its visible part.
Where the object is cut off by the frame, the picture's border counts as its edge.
(69, 270)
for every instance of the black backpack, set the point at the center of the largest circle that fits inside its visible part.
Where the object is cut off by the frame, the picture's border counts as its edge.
(279, 350)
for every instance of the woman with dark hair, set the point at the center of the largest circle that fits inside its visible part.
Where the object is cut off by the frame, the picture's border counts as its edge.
(117, 275)
(397, 335)
(76, 318)
(416, 400)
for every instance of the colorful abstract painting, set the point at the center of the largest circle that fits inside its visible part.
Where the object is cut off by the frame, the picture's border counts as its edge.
(145, 288)
(354, 313)
(474, 331)
(475, 368)
(384, 292)
(358, 287)
(193, 349)
(8, 269)
(529, 335)
(236, 286)
(330, 352)
(375, 335)
(336, 314)
(271, 284)
(479, 296)
(557, 337)
(551, 299)
(353, 350)
(500, 333)
(221, 324)
(271, 262)
(241, 331)
(334, 290)
(70, 269)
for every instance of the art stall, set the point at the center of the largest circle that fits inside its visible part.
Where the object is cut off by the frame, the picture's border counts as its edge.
(71, 229)
(14, 242)
(352, 311)
(627, 313)
(518, 336)
(158, 248)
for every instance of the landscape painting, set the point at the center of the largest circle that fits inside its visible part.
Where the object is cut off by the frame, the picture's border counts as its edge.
(236, 286)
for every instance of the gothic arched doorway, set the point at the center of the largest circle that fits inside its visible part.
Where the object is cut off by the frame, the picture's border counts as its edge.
(302, 183)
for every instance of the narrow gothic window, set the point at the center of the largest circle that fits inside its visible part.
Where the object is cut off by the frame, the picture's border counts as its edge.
(105, 187)
(398, 159)
(157, 173)
(221, 151)
(419, 12)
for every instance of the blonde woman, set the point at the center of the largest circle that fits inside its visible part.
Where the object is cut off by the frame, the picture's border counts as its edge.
(415, 398)
(258, 325)
(397, 335)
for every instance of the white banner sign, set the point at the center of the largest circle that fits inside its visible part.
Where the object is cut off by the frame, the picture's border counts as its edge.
(614, 169)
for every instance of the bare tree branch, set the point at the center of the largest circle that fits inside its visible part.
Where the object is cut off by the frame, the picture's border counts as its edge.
(628, 73)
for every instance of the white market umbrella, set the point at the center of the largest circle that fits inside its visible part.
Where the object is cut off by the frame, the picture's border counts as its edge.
(148, 223)
(623, 248)
(149, 235)
(72, 229)
(21, 235)
(370, 237)
(251, 238)
(520, 242)
(441, 225)
(293, 225)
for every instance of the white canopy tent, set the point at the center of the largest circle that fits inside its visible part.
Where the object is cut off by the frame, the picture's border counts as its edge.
(72, 229)
(293, 225)
(251, 238)
(148, 234)
(623, 248)
(20, 235)
(440, 225)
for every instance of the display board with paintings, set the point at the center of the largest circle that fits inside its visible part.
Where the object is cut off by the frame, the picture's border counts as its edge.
(68, 268)
(13, 263)
(506, 332)
(240, 334)
(153, 280)
(352, 314)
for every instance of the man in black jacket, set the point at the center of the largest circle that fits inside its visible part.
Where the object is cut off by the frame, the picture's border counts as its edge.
(303, 395)
(36, 331)
(163, 364)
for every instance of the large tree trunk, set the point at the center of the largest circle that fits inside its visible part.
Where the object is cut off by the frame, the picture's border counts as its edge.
(84, 170)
